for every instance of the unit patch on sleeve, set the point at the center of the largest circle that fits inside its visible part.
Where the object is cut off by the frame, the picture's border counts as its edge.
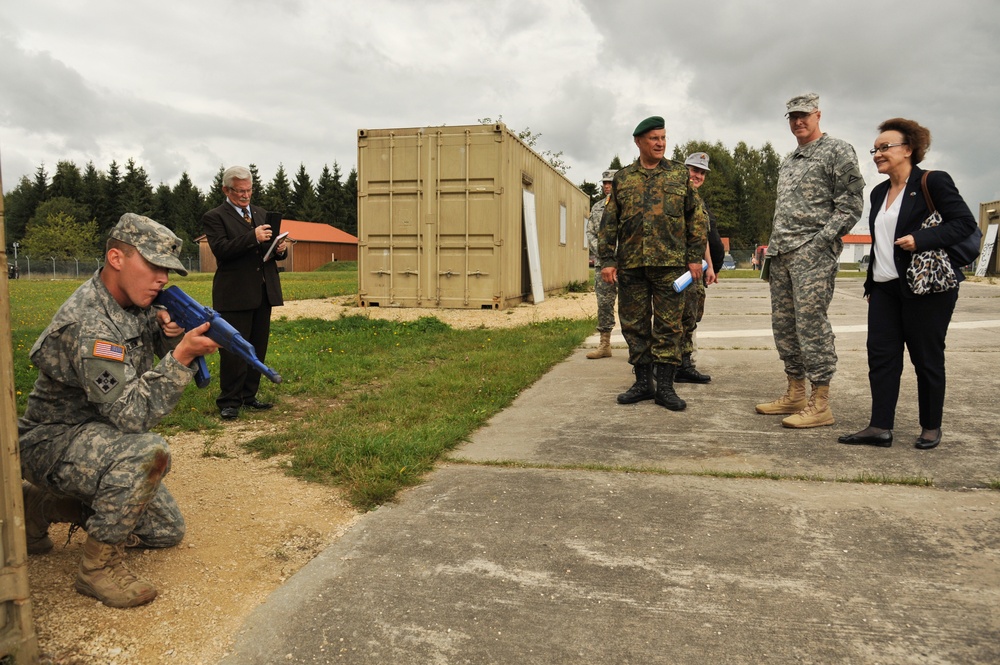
(105, 382)
(109, 350)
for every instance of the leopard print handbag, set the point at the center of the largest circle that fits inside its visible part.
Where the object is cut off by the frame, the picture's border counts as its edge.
(930, 271)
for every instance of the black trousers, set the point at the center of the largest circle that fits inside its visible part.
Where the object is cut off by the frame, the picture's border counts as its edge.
(238, 382)
(921, 324)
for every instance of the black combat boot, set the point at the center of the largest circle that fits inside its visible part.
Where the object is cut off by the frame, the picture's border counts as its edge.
(688, 373)
(642, 389)
(665, 395)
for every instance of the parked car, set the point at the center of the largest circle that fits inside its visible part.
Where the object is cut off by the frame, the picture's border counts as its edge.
(728, 263)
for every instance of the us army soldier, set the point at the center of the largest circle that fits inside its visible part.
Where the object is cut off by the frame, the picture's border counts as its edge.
(84, 436)
(819, 200)
(606, 292)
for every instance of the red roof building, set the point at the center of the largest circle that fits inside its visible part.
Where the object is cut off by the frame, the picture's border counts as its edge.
(313, 245)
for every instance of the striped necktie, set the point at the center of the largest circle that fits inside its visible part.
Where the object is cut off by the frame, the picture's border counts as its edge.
(246, 216)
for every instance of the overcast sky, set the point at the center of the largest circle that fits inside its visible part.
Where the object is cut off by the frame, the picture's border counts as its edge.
(192, 86)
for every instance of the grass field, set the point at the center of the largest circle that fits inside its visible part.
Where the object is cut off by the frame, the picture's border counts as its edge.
(365, 404)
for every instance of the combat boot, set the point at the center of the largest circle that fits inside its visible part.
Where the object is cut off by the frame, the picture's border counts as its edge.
(103, 575)
(665, 395)
(603, 349)
(817, 412)
(688, 373)
(642, 389)
(793, 401)
(41, 509)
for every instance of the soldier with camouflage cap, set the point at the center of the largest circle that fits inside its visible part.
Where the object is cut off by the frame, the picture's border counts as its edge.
(653, 230)
(819, 200)
(86, 449)
(694, 295)
(606, 292)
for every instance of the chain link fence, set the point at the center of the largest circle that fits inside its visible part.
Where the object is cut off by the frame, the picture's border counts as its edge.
(26, 267)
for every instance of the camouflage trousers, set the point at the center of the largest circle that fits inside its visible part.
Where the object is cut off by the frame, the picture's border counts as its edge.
(606, 294)
(802, 283)
(694, 309)
(118, 475)
(651, 314)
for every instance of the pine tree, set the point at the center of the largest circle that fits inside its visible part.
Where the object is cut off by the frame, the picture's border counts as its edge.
(278, 194)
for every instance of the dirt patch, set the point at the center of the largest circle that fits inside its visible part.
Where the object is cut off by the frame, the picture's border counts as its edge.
(567, 306)
(249, 527)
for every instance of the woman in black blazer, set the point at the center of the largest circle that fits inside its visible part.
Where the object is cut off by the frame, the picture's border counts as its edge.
(897, 316)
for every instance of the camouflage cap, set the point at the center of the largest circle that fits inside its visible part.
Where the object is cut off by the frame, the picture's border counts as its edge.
(155, 242)
(806, 103)
(652, 122)
(699, 160)
(607, 176)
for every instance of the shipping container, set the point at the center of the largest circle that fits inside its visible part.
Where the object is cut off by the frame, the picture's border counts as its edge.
(464, 217)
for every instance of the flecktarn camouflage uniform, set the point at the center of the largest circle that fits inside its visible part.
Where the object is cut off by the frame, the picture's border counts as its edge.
(653, 226)
(820, 198)
(606, 292)
(85, 432)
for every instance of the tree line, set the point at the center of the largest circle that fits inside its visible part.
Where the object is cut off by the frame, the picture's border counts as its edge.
(70, 214)
(740, 189)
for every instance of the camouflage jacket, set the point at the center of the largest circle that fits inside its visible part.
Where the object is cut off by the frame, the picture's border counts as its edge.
(594, 224)
(820, 195)
(95, 363)
(654, 218)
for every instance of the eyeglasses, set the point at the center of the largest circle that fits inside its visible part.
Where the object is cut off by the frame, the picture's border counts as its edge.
(245, 192)
(798, 115)
(885, 147)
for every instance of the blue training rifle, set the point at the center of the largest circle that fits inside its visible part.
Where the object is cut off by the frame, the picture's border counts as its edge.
(188, 313)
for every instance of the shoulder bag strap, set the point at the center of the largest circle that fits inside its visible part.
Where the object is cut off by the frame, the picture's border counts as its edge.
(927, 194)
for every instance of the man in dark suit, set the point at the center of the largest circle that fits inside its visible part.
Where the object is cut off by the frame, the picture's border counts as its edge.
(245, 287)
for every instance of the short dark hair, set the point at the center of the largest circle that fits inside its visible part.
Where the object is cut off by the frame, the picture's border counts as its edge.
(123, 247)
(916, 136)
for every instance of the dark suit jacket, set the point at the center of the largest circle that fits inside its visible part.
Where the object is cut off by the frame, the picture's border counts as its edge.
(957, 221)
(236, 285)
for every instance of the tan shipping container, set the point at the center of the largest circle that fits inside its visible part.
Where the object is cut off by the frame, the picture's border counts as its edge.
(442, 213)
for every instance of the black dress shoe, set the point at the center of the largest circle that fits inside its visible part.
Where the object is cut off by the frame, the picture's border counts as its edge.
(883, 440)
(230, 413)
(927, 444)
(257, 404)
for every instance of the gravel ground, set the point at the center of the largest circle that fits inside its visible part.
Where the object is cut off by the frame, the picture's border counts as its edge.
(250, 526)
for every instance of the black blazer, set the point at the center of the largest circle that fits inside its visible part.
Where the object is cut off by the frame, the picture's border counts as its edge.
(957, 221)
(239, 256)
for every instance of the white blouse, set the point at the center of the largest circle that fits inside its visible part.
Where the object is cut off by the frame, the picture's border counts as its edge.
(884, 235)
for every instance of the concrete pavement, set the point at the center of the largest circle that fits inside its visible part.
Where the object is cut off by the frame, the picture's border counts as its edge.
(571, 529)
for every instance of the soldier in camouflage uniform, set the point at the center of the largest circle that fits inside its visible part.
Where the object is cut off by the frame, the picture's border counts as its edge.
(653, 230)
(606, 291)
(84, 437)
(694, 303)
(819, 201)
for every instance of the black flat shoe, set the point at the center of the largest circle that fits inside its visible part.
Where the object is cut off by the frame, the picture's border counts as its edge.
(257, 405)
(229, 413)
(883, 440)
(927, 444)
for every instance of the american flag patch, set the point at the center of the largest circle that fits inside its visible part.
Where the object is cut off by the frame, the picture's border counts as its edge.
(108, 350)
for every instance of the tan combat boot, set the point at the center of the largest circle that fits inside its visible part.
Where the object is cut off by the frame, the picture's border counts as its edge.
(793, 401)
(103, 575)
(41, 508)
(603, 350)
(817, 412)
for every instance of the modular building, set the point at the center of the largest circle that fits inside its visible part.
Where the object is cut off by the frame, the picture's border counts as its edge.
(464, 217)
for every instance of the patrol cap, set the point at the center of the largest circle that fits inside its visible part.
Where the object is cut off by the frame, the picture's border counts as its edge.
(652, 122)
(155, 242)
(698, 160)
(607, 176)
(806, 103)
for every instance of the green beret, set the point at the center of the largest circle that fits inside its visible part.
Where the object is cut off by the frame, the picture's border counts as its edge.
(652, 122)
